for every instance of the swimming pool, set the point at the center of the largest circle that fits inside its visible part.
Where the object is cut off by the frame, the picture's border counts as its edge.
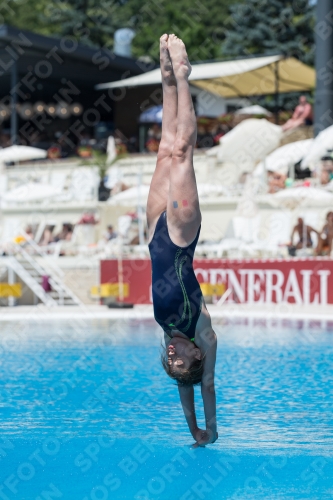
(87, 413)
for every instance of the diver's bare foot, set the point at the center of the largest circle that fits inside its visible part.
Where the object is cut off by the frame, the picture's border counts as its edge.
(168, 76)
(180, 63)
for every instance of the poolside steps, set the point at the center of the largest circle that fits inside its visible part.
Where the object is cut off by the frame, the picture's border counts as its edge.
(33, 273)
(57, 296)
(16, 266)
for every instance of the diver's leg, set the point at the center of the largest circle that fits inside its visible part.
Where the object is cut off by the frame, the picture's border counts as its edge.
(159, 187)
(183, 211)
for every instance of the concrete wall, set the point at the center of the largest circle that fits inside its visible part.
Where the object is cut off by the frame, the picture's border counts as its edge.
(27, 298)
(80, 274)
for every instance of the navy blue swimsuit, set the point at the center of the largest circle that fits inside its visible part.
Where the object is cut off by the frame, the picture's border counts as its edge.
(177, 295)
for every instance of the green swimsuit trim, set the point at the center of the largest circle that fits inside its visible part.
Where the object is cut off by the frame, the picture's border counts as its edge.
(187, 306)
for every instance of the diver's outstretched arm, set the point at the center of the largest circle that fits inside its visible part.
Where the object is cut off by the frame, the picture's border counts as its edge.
(201, 436)
(209, 401)
(209, 435)
(186, 395)
(207, 342)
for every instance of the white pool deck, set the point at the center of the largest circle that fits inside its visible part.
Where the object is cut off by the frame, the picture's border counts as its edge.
(227, 311)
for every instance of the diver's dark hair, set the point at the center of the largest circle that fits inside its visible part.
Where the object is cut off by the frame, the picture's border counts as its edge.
(184, 376)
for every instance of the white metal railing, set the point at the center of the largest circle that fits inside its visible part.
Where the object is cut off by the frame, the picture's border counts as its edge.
(54, 280)
(49, 262)
(30, 281)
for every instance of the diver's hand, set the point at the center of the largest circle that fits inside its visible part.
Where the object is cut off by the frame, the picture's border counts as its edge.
(204, 437)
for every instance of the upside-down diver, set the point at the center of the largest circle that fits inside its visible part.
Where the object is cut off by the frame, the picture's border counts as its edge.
(174, 219)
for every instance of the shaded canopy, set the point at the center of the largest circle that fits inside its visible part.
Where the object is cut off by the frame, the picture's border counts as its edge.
(243, 77)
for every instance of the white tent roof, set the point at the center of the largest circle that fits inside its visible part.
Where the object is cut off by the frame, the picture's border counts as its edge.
(31, 192)
(253, 110)
(21, 153)
(225, 78)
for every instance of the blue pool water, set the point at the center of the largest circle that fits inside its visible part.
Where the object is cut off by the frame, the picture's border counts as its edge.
(87, 413)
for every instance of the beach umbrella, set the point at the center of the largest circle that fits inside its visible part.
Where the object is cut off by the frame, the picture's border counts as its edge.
(135, 194)
(329, 186)
(301, 197)
(129, 197)
(253, 110)
(249, 142)
(152, 115)
(319, 147)
(21, 153)
(247, 207)
(111, 150)
(113, 176)
(31, 192)
(284, 157)
(206, 190)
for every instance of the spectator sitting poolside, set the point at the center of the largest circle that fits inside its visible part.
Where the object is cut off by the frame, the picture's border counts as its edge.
(325, 238)
(29, 235)
(301, 116)
(110, 234)
(326, 171)
(66, 233)
(21, 239)
(103, 191)
(47, 237)
(276, 181)
(69, 234)
(304, 234)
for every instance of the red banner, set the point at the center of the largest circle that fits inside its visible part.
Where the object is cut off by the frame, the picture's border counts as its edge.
(297, 281)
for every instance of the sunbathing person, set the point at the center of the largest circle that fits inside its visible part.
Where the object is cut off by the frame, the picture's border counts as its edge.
(302, 115)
